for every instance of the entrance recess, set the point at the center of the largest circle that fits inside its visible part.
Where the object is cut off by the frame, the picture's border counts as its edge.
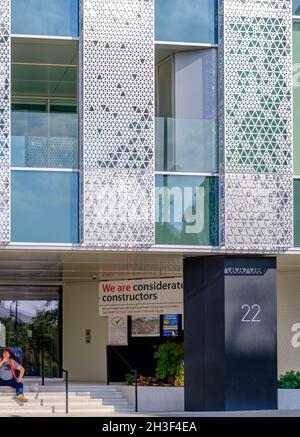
(30, 316)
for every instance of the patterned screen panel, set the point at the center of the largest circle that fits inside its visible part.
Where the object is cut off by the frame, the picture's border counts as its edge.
(256, 137)
(117, 124)
(5, 48)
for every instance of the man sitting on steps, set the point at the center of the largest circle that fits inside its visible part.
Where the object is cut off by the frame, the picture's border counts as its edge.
(8, 376)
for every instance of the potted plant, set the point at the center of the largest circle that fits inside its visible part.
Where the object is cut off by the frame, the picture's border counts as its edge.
(289, 380)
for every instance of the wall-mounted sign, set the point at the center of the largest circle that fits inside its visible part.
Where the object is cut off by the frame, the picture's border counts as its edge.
(88, 336)
(148, 326)
(141, 297)
(117, 331)
(170, 325)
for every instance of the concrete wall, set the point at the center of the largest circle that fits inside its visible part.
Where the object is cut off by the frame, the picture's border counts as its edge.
(288, 291)
(156, 399)
(288, 399)
(86, 362)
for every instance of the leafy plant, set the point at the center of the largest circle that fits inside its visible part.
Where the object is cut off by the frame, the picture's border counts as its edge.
(146, 380)
(129, 378)
(290, 379)
(169, 362)
(179, 378)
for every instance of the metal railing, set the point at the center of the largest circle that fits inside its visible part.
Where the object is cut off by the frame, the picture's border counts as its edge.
(129, 367)
(63, 370)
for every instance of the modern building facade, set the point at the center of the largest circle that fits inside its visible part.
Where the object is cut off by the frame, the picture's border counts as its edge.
(153, 140)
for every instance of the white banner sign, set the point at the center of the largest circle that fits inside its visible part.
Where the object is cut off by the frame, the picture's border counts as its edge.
(141, 297)
(117, 331)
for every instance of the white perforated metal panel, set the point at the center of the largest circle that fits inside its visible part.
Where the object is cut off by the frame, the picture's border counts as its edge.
(117, 126)
(256, 124)
(5, 103)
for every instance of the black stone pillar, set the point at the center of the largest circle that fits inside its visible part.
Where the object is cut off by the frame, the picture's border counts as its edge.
(230, 333)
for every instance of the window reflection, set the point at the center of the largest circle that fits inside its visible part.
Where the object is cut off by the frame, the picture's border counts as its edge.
(44, 207)
(28, 317)
(186, 20)
(45, 17)
(296, 7)
(187, 210)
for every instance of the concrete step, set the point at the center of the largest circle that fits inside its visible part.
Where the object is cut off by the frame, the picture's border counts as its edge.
(74, 394)
(76, 388)
(62, 408)
(71, 393)
(85, 404)
(49, 410)
(7, 399)
(83, 400)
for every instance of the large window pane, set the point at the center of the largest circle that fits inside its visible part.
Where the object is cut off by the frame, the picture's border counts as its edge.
(44, 140)
(28, 316)
(296, 94)
(44, 207)
(186, 20)
(187, 210)
(45, 17)
(296, 7)
(188, 145)
(186, 140)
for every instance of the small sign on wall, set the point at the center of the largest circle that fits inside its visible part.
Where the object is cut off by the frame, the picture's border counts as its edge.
(170, 325)
(88, 336)
(148, 326)
(117, 331)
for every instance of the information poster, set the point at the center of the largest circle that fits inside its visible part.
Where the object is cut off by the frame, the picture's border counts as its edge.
(170, 325)
(117, 331)
(143, 297)
(148, 326)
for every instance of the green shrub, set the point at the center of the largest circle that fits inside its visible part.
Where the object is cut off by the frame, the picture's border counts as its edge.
(169, 362)
(179, 379)
(289, 380)
(129, 378)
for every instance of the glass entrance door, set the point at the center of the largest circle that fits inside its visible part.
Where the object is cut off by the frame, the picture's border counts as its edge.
(30, 316)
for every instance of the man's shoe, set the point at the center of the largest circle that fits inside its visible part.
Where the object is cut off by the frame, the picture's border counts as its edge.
(21, 398)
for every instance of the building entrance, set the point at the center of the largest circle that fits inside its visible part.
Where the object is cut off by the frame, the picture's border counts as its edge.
(29, 317)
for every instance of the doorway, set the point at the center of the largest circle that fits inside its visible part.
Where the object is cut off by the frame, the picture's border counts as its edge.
(29, 317)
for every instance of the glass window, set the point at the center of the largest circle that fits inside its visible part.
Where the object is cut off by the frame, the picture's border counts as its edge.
(61, 106)
(186, 21)
(28, 315)
(44, 207)
(297, 213)
(30, 106)
(45, 17)
(44, 140)
(187, 210)
(296, 7)
(187, 140)
(296, 95)
(187, 145)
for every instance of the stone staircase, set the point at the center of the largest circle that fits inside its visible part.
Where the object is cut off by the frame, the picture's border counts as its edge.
(84, 400)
